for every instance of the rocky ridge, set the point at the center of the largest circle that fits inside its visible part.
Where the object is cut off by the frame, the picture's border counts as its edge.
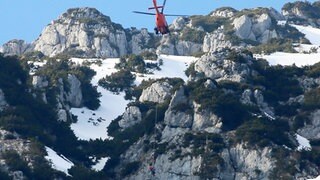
(86, 32)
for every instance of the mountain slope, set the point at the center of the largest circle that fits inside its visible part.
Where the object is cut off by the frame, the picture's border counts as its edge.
(227, 114)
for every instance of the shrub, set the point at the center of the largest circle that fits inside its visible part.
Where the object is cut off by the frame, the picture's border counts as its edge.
(262, 132)
(313, 71)
(225, 105)
(208, 23)
(117, 81)
(149, 55)
(200, 141)
(193, 35)
(280, 82)
(134, 63)
(312, 99)
(274, 45)
(16, 163)
(236, 57)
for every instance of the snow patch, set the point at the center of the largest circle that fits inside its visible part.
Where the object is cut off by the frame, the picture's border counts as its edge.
(317, 178)
(288, 59)
(312, 34)
(59, 162)
(100, 164)
(304, 143)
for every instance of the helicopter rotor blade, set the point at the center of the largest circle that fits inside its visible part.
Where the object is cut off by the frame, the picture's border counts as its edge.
(178, 15)
(145, 13)
(164, 4)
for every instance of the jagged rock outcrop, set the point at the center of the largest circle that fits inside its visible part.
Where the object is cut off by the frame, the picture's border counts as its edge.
(175, 116)
(178, 24)
(130, 117)
(3, 102)
(171, 46)
(74, 95)
(244, 163)
(225, 12)
(215, 41)
(312, 130)
(216, 66)
(205, 120)
(257, 28)
(15, 47)
(62, 115)
(83, 32)
(308, 83)
(39, 82)
(302, 12)
(263, 106)
(158, 92)
(141, 41)
(246, 97)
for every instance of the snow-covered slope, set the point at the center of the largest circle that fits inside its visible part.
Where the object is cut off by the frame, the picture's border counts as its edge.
(299, 59)
(287, 59)
(313, 34)
(93, 124)
(59, 162)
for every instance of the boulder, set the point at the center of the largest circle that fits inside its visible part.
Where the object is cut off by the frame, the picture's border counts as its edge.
(158, 92)
(243, 27)
(257, 27)
(130, 117)
(217, 67)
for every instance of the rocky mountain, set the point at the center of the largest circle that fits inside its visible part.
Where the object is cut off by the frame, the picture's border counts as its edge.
(86, 32)
(302, 12)
(225, 114)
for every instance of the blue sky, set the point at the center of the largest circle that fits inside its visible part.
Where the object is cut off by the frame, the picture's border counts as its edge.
(25, 19)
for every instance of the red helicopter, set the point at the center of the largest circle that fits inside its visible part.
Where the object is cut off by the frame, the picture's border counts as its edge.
(161, 23)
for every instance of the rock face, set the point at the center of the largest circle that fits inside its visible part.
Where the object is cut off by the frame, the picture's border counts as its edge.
(15, 47)
(263, 106)
(141, 41)
(158, 92)
(74, 95)
(258, 28)
(225, 12)
(39, 82)
(216, 66)
(175, 117)
(243, 163)
(205, 120)
(180, 47)
(85, 32)
(301, 12)
(130, 117)
(312, 130)
(215, 41)
(62, 115)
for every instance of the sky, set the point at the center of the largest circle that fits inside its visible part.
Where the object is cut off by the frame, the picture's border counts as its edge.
(25, 19)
